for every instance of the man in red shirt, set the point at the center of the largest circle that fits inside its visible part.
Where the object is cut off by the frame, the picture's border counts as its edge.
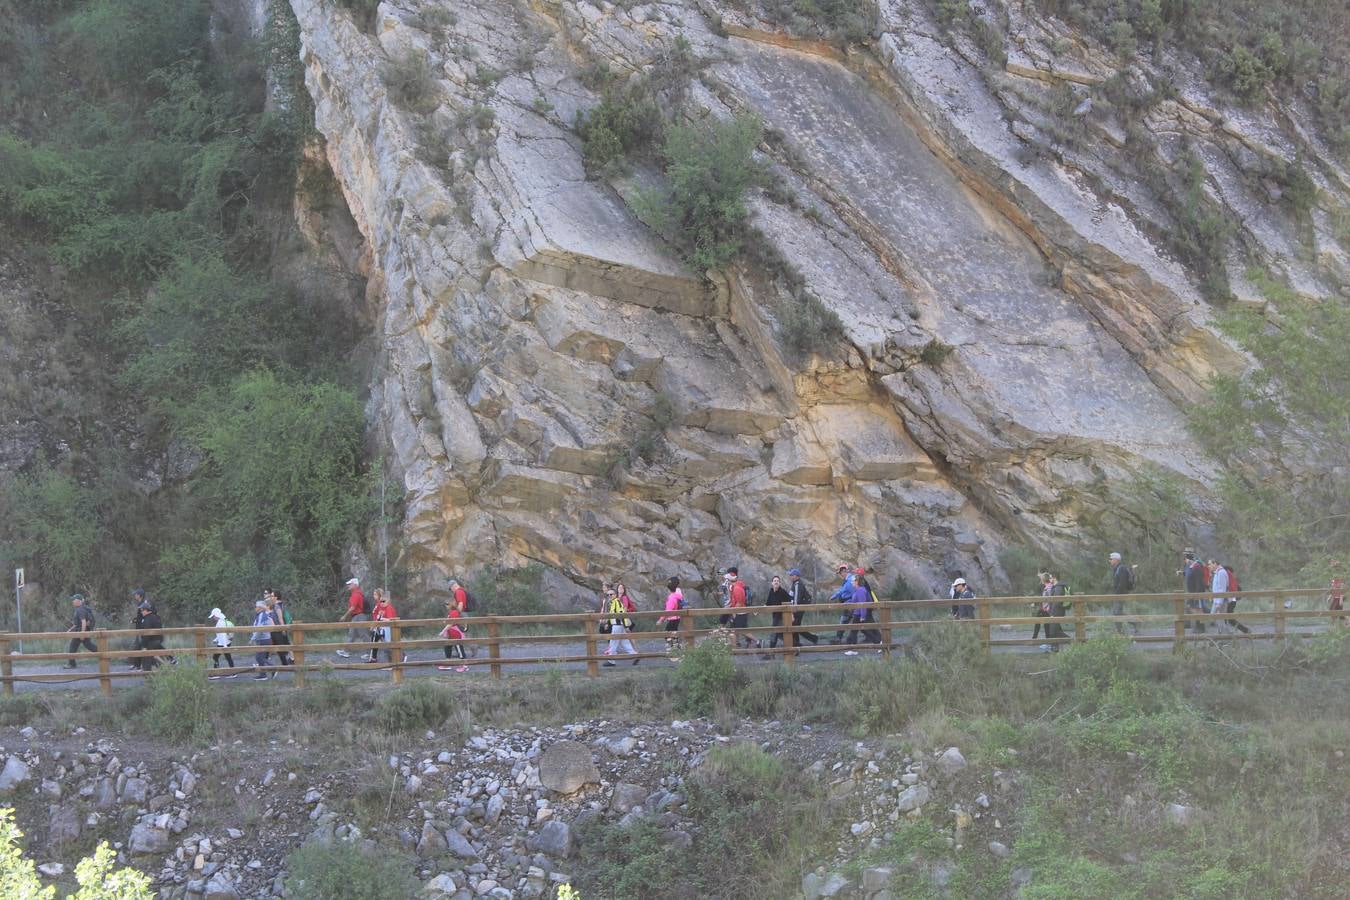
(356, 612)
(461, 596)
(736, 601)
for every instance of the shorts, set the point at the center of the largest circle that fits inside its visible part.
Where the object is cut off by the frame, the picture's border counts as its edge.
(740, 621)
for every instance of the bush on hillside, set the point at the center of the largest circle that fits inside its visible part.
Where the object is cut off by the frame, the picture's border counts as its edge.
(182, 704)
(324, 871)
(95, 875)
(705, 677)
(414, 707)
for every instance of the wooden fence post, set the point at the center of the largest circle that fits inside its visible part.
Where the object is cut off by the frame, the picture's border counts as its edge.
(592, 666)
(199, 646)
(1179, 626)
(7, 666)
(982, 611)
(1079, 625)
(494, 648)
(104, 682)
(789, 653)
(687, 629)
(396, 651)
(298, 656)
(885, 623)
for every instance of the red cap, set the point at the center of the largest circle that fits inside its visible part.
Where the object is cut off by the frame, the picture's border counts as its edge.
(859, 571)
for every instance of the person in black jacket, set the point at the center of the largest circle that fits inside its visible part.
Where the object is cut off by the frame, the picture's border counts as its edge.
(798, 595)
(1122, 582)
(778, 596)
(1197, 583)
(149, 619)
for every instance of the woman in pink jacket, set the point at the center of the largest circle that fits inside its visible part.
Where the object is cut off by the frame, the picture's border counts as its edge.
(674, 603)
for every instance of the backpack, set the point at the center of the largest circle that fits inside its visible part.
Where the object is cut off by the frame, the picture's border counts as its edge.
(470, 602)
(286, 616)
(682, 603)
(1129, 577)
(367, 607)
(1232, 579)
(749, 596)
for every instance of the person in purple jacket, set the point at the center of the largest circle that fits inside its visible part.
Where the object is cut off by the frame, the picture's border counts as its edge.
(860, 609)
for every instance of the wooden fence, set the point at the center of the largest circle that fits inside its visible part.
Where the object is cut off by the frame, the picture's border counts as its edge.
(1266, 613)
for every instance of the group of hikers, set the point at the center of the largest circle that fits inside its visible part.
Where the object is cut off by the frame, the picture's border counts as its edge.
(369, 618)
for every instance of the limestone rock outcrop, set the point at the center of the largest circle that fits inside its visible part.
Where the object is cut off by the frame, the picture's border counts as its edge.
(534, 330)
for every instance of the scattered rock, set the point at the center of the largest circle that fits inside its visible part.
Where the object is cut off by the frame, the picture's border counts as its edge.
(52, 869)
(1179, 814)
(14, 774)
(626, 796)
(914, 798)
(999, 849)
(1020, 877)
(951, 762)
(554, 839)
(63, 825)
(146, 837)
(441, 887)
(135, 790)
(432, 842)
(566, 767)
(876, 879)
(459, 845)
(221, 887)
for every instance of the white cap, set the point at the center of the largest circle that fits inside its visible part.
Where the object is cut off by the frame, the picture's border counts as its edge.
(353, 582)
(216, 614)
(1114, 556)
(958, 581)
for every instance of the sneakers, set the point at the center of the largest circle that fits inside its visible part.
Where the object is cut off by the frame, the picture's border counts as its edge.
(607, 664)
(461, 668)
(70, 665)
(261, 676)
(344, 654)
(638, 660)
(1044, 648)
(445, 668)
(850, 652)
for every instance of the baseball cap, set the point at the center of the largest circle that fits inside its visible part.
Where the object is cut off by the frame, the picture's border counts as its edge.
(145, 604)
(353, 582)
(860, 571)
(216, 614)
(843, 567)
(138, 593)
(732, 570)
(797, 572)
(1114, 556)
(80, 597)
(958, 581)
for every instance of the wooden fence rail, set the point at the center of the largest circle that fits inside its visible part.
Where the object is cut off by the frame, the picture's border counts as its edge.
(1262, 609)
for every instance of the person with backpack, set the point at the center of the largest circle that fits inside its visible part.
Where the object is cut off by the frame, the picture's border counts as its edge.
(358, 610)
(843, 595)
(1231, 602)
(1336, 593)
(961, 593)
(82, 623)
(778, 596)
(150, 621)
(466, 603)
(1122, 582)
(798, 595)
(618, 606)
(280, 616)
(738, 598)
(262, 639)
(222, 642)
(860, 611)
(454, 633)
(1196, 582)
(383, 612)
(1051, 588)
(674, 603)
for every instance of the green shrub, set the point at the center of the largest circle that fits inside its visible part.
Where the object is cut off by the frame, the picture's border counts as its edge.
(625, 123)
(510, 591)
(412, 82)
(362, 12)
(637, 861)
(935, 352)
(840, 21)
(95, 875)
(708, 169)
(182, 704)
(324, 871)
(19, 711)
(414, 707)
(51, 523)
(808, 324)
(705, 676)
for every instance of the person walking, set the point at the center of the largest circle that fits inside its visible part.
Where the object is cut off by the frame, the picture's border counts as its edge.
(674, 603)
(1336, 594)
(383, 612)
(1235, 587)
(82, 623)
(1051, 589)
(262, 639)
(454, 633)
(778, 596)
(1122, 583)
(357, 611)
(138, 612)
(962, 593)
(222, 641)
(150, 621)
(738, 598)
(1196, 582)
(798, 595)
(951, 592)
(843, 595)
(860, 612)
(1042, 609)
(620, 604)
(280, 616)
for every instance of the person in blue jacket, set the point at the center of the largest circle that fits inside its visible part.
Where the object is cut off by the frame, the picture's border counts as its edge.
(843, 595)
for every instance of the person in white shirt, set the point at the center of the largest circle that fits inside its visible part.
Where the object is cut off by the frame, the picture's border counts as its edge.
(1218, 585)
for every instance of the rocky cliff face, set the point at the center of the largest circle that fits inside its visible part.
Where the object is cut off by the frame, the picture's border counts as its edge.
(533, 328)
